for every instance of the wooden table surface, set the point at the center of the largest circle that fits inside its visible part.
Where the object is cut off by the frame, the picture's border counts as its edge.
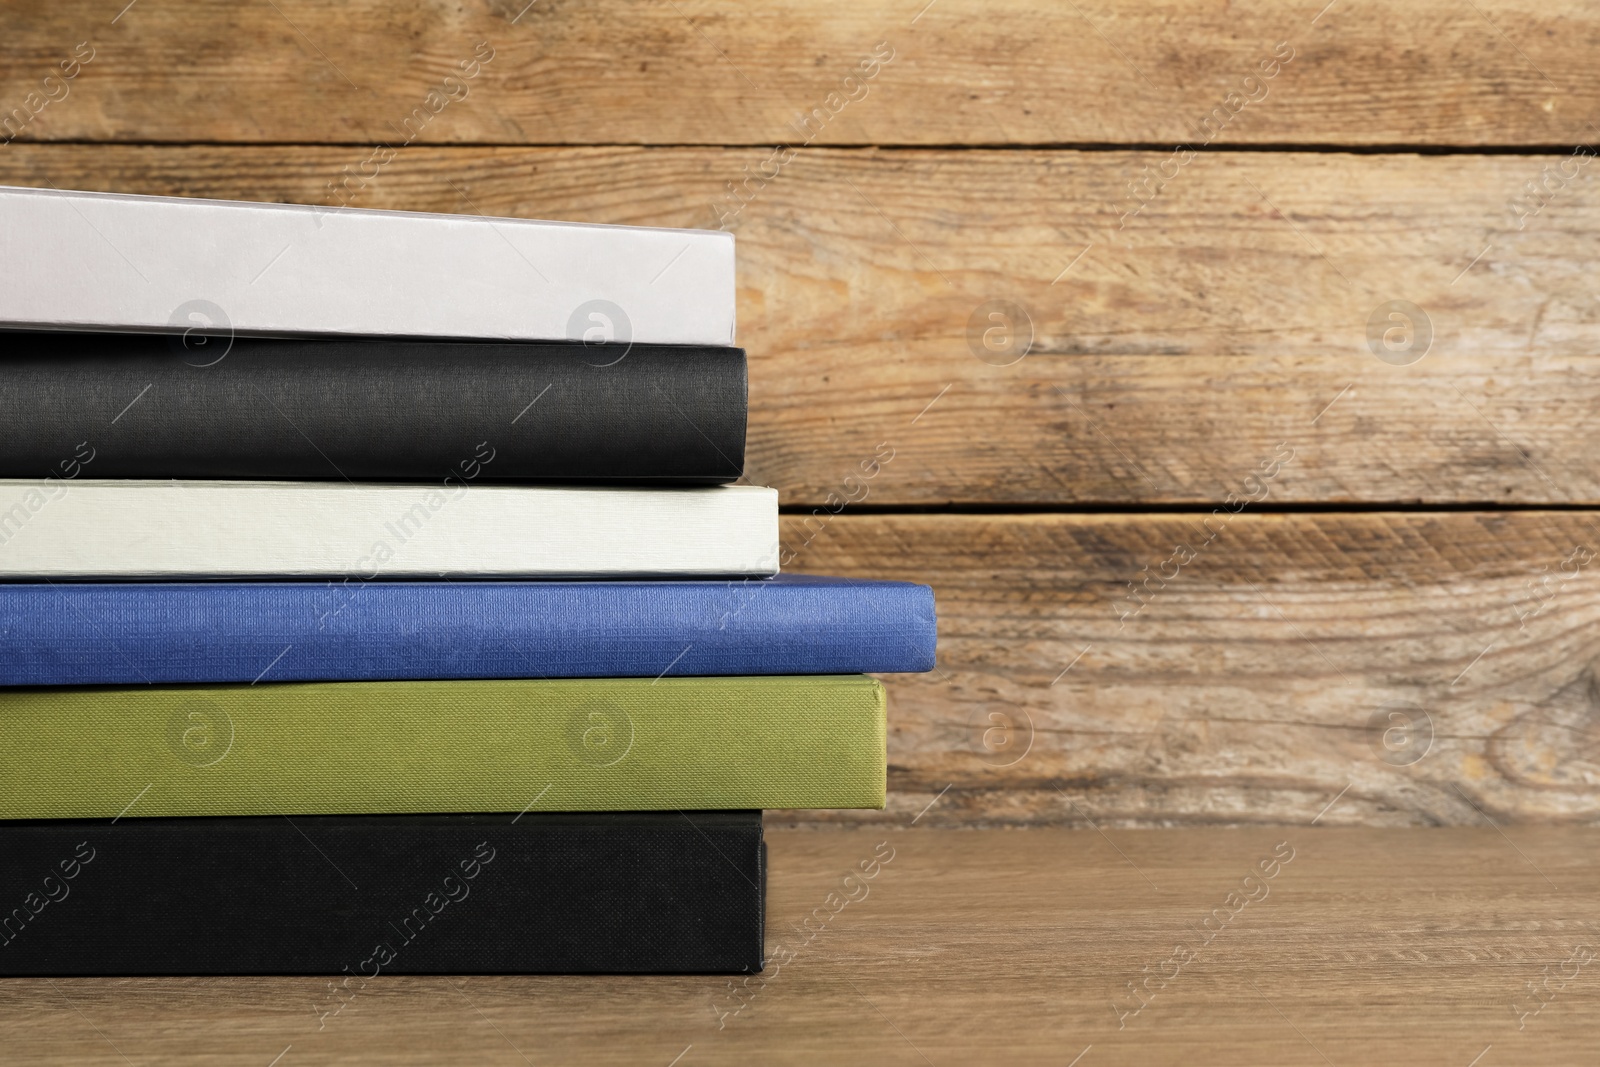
(1273, 946)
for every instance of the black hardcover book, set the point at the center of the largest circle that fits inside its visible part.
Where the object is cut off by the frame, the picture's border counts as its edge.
(359, 896)
(106, 405)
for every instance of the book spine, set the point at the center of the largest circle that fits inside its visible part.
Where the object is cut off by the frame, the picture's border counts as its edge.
(357, 898)
(147, 529)
(607, 744)
(355, 630)
(454, 415)
(172, 264)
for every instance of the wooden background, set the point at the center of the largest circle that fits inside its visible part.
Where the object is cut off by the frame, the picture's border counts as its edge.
(1424, 545)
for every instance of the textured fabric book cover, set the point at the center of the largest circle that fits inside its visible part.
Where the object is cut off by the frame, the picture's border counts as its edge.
(126, 406)
(358, 897)
(107, 528)
(184, 632)
(617, 744)
(122, 262)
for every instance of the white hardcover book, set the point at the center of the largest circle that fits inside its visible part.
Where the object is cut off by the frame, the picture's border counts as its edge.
(103, 261)
(54, 528)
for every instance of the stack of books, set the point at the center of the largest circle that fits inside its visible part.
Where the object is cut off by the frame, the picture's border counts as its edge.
(374, 599)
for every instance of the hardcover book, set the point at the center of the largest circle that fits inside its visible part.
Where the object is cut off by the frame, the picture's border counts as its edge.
(127, 633)
(359, 897)
(65, 528)
(358, 748)
(105, 261)
(127, 406)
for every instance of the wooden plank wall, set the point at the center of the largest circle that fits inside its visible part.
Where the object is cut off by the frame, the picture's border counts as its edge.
(1215, 537)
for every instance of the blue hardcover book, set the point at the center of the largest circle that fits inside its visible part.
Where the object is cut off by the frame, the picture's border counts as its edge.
(132, 633)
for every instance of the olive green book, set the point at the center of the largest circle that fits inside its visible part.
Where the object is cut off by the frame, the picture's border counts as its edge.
(623, 744)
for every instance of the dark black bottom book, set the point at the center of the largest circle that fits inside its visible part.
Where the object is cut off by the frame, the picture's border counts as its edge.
(361, 896)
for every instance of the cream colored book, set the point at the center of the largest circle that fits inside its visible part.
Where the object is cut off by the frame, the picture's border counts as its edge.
(57, 528)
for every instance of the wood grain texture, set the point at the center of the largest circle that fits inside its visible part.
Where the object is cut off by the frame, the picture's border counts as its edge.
(1369, 946)
(1260, 683)
(1229, 315)
(1015, 71)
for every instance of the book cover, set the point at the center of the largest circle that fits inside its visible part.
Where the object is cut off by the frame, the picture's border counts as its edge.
(360, 748)
(114, 405)
(121, 262)
(359, 897)
(55, 528)
(136, 633)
